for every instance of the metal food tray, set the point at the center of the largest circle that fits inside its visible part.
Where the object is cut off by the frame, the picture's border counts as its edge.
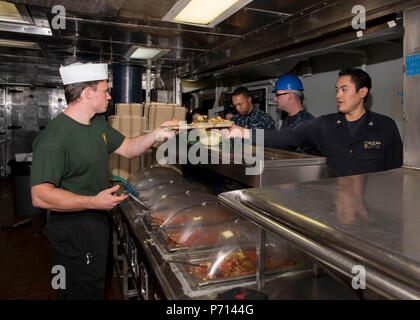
(201, 257)
(287, 158)
(163, 243)
(137, 206)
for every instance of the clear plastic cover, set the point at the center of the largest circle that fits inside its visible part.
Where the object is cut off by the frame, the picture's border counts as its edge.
(151, 182)
(240, 260)
(174, 203)
(153, 172)
(162, 191)
(198, 236)
(195, 216)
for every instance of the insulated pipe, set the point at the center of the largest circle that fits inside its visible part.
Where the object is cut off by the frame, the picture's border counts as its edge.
(148, 80)
(196, 100)
(127, 84)
(178, 91)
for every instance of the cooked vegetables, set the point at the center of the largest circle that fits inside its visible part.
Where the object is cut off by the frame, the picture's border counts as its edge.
(237, 263)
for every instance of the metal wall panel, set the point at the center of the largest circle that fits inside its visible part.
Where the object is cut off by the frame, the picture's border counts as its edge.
(411, 114)
(24, 112)
(3, 127)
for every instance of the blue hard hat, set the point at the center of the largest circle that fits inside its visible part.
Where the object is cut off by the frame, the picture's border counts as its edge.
(288, 82)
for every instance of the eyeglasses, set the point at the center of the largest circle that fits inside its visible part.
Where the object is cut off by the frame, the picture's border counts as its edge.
(280, 94)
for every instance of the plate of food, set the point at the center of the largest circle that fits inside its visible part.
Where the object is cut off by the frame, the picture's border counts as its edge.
(203, 122)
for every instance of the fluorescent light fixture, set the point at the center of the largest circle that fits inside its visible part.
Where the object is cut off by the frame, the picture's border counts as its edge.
(18, 44)
(14, 13)
(145, 53)
(204, 13)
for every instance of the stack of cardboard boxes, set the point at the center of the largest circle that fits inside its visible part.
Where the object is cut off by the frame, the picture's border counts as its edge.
(132, 119)
(156, 113)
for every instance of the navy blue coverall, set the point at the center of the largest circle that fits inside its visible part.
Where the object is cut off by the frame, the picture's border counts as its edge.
(376, 146)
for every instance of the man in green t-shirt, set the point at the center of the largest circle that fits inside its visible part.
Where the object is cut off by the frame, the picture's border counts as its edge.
(70, 177)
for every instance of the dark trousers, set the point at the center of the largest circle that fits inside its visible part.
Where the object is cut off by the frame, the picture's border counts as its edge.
(79, 243)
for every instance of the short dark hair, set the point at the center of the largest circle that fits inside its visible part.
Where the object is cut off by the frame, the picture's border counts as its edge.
(231, 110)
(360, 78)
(200, 111)
(74, 90)
(242, 90)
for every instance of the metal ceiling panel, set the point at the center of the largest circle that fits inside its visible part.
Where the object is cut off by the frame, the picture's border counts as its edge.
(262, 39)
(318, 21)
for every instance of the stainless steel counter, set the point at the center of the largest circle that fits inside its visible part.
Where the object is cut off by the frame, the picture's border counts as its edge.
(279, 167)
(371, 219)
(298, 285)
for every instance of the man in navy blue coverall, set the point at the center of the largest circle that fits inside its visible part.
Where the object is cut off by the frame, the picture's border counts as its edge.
(248, 116)
(354, 140)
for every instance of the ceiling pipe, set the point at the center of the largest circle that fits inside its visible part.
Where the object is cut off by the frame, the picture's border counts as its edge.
(281, 14)
(128, 43)
(148, 71)
(144, 26)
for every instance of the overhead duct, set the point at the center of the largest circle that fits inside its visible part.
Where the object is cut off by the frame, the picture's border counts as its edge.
(92, 7)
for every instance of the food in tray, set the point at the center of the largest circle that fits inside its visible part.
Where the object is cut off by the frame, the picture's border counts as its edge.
(204, 119)
(203, 122)
(234, 264)
(159, 219)
(201, 119)
(185, 238)
(197, 236)
(216, 119)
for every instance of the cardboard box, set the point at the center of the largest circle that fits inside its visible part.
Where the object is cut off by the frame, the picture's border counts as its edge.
(146, 108)
(124, 167)
(161, 112)
(150, 158)
(114, 122)
(180, 113)
(113, 163)
(128, 126)
(128, 167)
(129, 109)
(158, 115)
(129, 123)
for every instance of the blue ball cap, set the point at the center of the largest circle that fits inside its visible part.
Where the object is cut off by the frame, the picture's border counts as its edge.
(288, 82)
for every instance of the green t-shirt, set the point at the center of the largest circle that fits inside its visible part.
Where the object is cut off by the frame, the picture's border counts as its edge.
(74, 156)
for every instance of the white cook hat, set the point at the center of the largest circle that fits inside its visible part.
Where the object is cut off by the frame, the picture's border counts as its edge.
(83, 72)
